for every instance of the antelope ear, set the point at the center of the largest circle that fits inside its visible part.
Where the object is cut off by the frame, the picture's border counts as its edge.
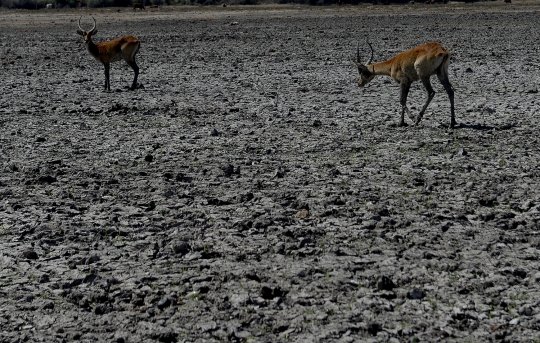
(93, 32)
(80, 32)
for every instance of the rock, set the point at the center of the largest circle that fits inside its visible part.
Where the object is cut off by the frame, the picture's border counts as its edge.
(214, 133)
(163, 302)
(47, 179)
(385, 284)
(521, 273)
(30, 254)
(181, 247)
(416, 294)
(302, 214)
(374, 328)
(267, 292)
(149, 158)
(228, 169)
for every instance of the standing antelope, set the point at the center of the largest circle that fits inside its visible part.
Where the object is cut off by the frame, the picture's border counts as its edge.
(124, 47)
(412, 65)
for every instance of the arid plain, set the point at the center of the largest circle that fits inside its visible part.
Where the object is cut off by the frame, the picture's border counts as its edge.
(250, 191)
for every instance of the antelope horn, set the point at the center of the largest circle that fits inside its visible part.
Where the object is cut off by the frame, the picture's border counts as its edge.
(80, 24)
(95, 28)
(357, 52)
(371, 58)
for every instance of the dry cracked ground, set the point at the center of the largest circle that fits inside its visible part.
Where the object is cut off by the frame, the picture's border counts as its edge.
(249, 191)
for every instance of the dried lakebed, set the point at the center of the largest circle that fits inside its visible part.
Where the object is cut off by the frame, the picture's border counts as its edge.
(250, 191)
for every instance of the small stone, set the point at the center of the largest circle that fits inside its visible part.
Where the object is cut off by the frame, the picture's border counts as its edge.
(526, 311)
(47, 179)
(228, 169)
(302, 214)
(105, 284)
(488, 284)
(267, 293)
(302, 273)
(514, 321)
(30, 254)
(92, 259)
(306, 241)
(48, 305)
(445, 226)
(181, 248)
(385, 284)
(520, 273)
(30, 298)
(201, 288)
(416, 294)
(149, 158)
(317, 123)
(374, 328)
(214, 132)
(469, 70)
(164, 302)
(279, 173)
(40, 139)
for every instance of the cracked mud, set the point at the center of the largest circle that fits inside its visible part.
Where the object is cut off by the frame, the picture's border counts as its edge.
(250, 191)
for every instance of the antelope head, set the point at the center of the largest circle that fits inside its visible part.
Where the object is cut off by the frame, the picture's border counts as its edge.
(365, 75)
(87, 35)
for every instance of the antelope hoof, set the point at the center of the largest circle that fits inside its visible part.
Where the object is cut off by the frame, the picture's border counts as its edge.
(403, 124)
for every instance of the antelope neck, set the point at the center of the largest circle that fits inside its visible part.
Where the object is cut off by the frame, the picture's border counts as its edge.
(91, 47)
(381, 68)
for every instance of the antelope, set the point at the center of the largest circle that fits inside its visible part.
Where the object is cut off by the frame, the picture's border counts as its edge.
(125, 47)
(138, 5)
(419, 63)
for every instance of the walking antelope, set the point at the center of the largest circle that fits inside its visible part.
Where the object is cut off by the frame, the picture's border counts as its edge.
(138, 5)
(412, 65)
(125, 47)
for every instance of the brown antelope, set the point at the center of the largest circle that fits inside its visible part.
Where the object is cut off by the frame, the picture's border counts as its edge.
(138, 5)
(121, 48)
(416, 64)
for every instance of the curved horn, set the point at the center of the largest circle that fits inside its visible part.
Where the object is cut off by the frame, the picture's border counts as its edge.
(80, 24)
(371, 58)
(357, 52)
(95, 28)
